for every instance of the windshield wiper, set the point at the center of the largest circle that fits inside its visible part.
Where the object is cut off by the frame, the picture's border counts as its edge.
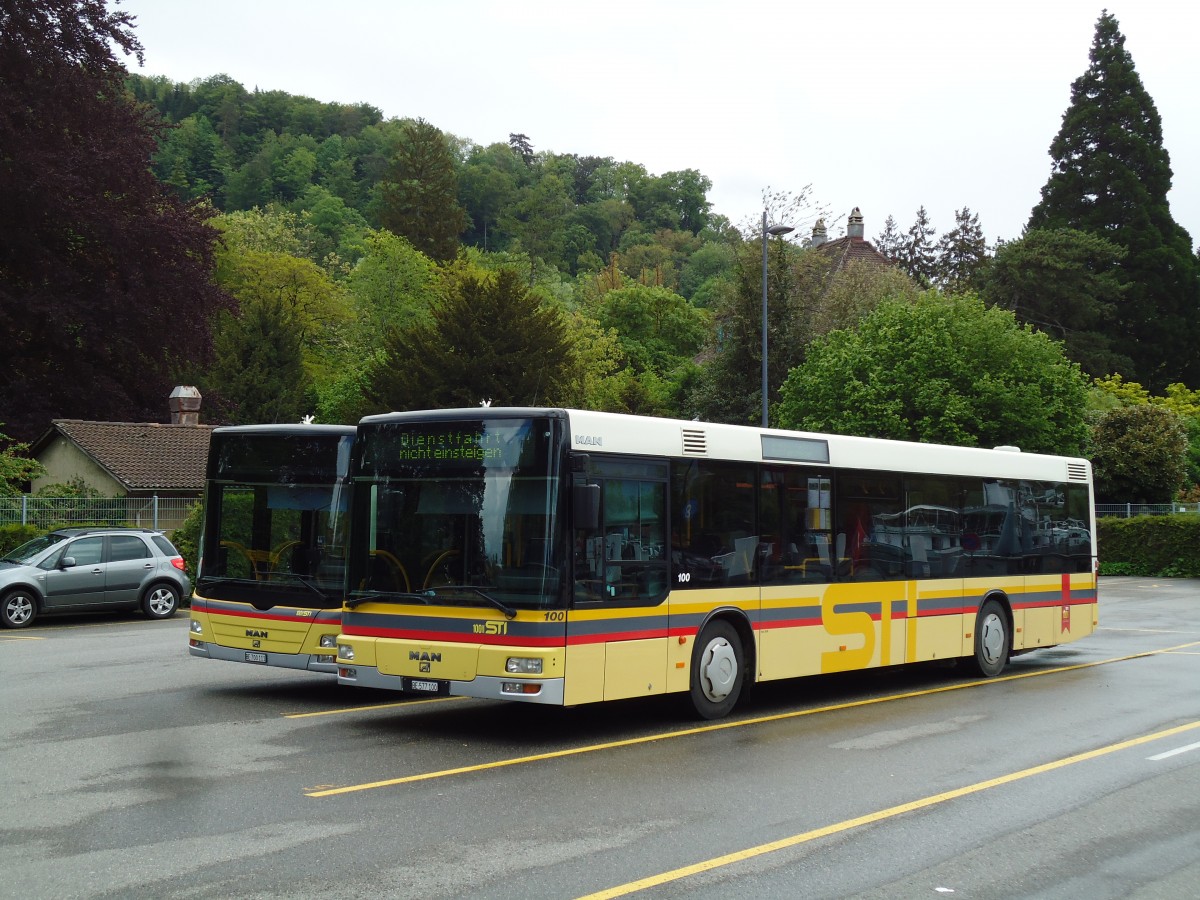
(402, 597)
(509, 612)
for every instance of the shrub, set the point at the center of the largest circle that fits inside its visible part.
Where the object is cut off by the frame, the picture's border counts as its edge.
(1154, 546)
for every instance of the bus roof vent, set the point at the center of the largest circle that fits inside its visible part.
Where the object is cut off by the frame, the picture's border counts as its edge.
(695, 442)
(1076, 472)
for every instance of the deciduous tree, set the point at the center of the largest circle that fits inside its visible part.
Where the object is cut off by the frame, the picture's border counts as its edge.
(1139, 454)
(105, 288)
(943, 370)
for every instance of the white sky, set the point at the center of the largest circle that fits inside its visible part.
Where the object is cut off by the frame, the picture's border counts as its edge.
(881, 105)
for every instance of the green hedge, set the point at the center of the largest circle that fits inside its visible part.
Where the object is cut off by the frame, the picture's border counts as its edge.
(1155, 546)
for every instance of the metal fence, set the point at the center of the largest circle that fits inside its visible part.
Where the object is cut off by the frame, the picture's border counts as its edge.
(1128, 510)
(159, 513)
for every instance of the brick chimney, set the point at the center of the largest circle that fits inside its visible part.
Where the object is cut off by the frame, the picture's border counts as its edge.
(819, 234)
(185, 405)
(854, 225)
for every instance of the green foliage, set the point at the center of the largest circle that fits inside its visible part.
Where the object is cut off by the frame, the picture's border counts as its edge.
(1110, 177)
(943, 370)
(13, 536)
(961, 254)
(1066, 283)
(657, 329)
(1138, 454)
(186, 539)
(1151, 546)
(15, 467)
(259, 373)
(419, 197)
(488, 340)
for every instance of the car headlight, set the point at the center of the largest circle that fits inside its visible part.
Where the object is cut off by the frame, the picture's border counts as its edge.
(523, 665)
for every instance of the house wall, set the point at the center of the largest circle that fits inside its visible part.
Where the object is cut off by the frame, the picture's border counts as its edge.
(64, 461)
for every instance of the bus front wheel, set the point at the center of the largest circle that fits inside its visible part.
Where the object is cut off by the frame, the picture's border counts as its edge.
(718, 671)
(993, 640)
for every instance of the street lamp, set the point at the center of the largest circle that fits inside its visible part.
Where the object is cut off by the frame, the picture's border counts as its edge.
(773, 230)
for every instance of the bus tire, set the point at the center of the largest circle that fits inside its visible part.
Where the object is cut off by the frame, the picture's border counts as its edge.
(161, 601)
(993, 640)
(18, 608)
(718, 670)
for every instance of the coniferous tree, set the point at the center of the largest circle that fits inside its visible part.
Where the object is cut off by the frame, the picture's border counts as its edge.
(962, 252)
(1110, 177)
(489, 340)
(890, 241)
(918, 252)
(420, 193)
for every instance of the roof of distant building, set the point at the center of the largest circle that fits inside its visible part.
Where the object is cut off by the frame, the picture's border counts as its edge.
(143, 456)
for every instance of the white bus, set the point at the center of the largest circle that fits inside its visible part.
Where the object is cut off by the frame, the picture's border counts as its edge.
(565, 557)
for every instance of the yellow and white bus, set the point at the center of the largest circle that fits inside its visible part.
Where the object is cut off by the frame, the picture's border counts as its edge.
(270, 579)
(567, 557)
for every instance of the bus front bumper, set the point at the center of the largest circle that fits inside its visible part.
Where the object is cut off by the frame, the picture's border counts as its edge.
(548, 691)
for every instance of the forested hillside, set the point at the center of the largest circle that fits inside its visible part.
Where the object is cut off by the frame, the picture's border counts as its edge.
(296, 258)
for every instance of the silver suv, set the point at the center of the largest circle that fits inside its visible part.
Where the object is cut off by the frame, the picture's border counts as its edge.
(77, 569)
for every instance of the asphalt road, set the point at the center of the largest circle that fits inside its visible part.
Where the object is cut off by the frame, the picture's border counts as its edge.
(133, 770)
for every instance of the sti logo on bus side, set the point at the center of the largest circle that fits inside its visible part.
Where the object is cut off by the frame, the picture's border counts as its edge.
(590, 440)
(424, 656)
(251, 632)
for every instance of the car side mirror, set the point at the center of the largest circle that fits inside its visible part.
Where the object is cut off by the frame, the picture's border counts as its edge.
(67, 562)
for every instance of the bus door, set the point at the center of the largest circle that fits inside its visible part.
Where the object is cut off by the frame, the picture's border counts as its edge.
(617, 628)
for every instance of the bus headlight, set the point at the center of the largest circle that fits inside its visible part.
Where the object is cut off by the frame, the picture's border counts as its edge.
(523, 665)
(197, 628)
(345, 651)
(328, 640)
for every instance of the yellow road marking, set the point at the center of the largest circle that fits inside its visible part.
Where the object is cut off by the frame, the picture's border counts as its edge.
(720, 726)
(20, 637)
(717, 862)
(350, 709)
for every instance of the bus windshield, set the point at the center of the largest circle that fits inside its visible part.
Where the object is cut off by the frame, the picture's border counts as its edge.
(275, 519)
(456, 513)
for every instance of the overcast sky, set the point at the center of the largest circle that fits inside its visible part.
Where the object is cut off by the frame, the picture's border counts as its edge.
(881, 105)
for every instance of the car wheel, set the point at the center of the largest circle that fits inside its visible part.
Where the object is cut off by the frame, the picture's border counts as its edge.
(161, 601)
(19, 609)
(717, 671)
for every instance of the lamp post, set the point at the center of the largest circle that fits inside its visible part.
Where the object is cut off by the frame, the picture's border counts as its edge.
(772, 230)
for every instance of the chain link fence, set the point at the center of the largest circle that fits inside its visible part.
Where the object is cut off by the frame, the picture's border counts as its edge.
(159, 513)
(1129, 510)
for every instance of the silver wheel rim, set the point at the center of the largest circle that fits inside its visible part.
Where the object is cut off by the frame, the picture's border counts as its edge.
(162, 601)
(19, 609)
(718, 670)
(991, 639)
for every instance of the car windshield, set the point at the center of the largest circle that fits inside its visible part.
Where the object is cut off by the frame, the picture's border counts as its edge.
(31, 549)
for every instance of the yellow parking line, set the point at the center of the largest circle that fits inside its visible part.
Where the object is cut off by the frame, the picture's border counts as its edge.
(728, 859)
(720, 726)
(21, 637)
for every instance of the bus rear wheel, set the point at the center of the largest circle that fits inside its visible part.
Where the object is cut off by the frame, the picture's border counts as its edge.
(993, 640)
(718, 671)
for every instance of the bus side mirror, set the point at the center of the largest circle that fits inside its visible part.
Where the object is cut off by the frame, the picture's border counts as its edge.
(585, 501)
